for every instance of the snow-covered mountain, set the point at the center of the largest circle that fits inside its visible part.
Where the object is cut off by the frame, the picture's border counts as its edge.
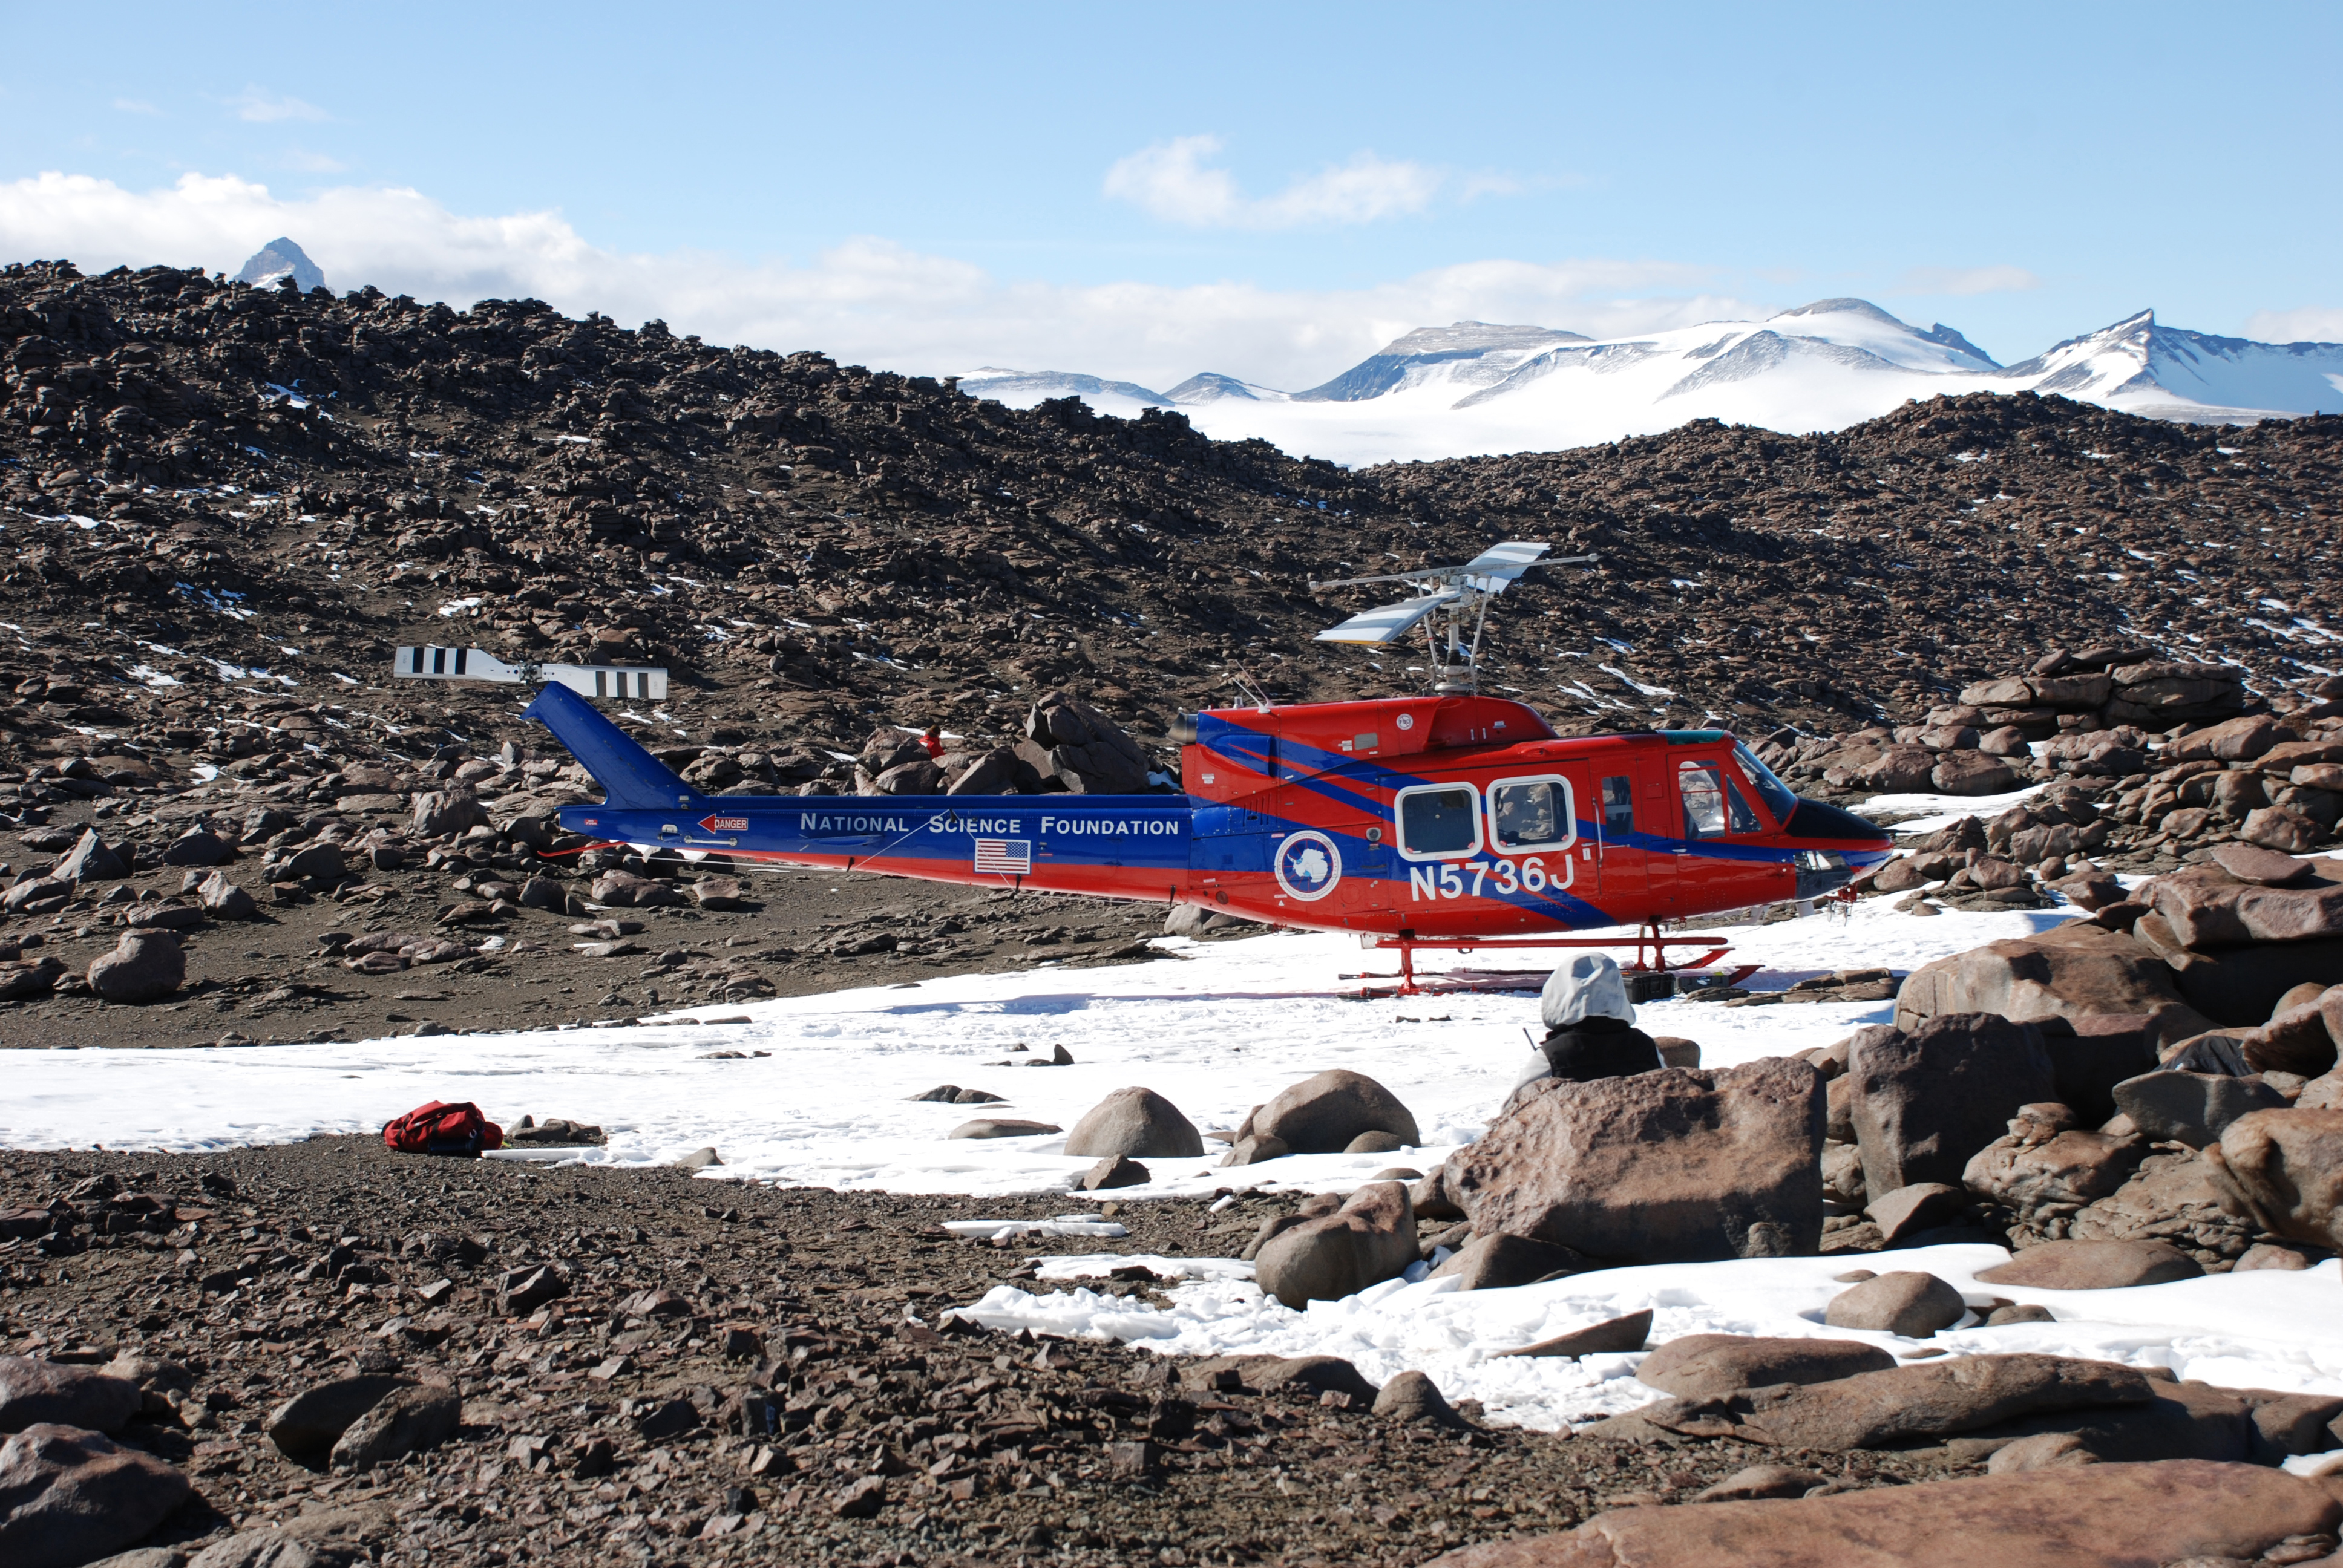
(1475, 387)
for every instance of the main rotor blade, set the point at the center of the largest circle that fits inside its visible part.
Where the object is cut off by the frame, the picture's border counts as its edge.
(1391, 621)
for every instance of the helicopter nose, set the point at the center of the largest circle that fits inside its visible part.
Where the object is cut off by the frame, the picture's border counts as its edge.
(1836, 846)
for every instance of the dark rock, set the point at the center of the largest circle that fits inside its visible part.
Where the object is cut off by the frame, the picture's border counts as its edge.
(1712, 1366)
(145, 966)
(69, 1497)
(305, 1427)
(1113, 1171)
(1371, 1238)
(2093, 1266)
(408, 1418)
(1615, 1337)
(1502, 1261)
(1674, 1165)
(60, 1394)
(1924, 1101)
(1321, 1115)
(1906, 1303)
(2191, 1107)
(89, 860)
(1134, 1121)
(1413, 1398)
(196, 847)
(2285, 1170)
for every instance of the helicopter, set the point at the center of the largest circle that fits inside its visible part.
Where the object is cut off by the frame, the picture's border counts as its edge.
(1445, 819)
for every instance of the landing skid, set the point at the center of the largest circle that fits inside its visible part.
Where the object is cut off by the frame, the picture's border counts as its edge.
(1651, 958)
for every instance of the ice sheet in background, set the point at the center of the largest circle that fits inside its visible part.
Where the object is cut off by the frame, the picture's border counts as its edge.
(2269, 1329)
(1218, 1029)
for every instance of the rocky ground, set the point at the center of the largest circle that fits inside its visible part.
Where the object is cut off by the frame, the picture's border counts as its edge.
(755, 1371)
(221, 508)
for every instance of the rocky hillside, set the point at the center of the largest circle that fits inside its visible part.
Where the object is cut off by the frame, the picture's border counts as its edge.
(256, 493)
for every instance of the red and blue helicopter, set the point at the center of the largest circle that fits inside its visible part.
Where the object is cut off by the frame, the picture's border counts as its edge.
(1448, 819)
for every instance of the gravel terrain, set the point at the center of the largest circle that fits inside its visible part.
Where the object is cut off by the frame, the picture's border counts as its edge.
(736, 1374)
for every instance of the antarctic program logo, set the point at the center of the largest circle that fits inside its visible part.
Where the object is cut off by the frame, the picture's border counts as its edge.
(1307, 865)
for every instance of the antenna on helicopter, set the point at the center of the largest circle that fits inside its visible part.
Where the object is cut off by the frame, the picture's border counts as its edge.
(1450, 594)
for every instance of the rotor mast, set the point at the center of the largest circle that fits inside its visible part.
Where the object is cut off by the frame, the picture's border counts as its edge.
(1445, 598)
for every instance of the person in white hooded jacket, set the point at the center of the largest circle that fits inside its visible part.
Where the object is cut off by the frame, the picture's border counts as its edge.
(1591, 1029)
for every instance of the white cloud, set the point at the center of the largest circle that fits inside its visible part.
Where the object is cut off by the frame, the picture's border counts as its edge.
(2311, 323)
(136, 106)
(1173, 181)
(1968, 280)
(256, 105)
(868, 301)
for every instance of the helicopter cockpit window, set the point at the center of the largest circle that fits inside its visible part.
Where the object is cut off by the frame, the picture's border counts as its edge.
(1738, 811)
(1702, 791)
(1527, 814)
(1439, 822)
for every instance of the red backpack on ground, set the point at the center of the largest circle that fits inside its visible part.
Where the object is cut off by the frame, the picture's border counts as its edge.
(438, 1128)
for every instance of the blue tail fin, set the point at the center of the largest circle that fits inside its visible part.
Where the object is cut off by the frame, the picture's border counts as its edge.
(631, 777)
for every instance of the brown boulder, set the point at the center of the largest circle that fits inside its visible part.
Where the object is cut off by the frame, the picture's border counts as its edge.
(2242, 986)
(2191, 1107)
(32, 1391)
(1899, 1406)
(1711, 1366)
(1898, 771)
(2087, 1516)
(1906, 1303)
(69, 1497)
(2285, 1170)
(2282, 828)
(1321, 1115)
(2073, 970)
(2265, 867)
(1615, 1336)
(2296, 1039)
(1370, 1238)
(2208, 907)
(1972, 773)
(2072, 693)
(1135, 1121)
(2073, 1167)
(2093, 1266)
(2237, 741)
(1924, 1101)
(1676, 1165)
(1501, 1261)
(2010, 693)
(145, 966)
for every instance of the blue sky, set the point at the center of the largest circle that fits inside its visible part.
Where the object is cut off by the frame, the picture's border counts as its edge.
(1261, 190)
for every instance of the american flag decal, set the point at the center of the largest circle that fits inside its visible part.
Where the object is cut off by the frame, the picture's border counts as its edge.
(1006, 856)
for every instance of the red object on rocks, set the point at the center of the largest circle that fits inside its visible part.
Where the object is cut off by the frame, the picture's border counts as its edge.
(457, 1130)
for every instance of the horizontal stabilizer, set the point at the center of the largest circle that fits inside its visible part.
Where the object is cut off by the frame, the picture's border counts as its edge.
(643, 682)
(631, 777)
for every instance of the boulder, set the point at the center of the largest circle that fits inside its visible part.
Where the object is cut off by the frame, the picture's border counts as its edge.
(2093, 1266)
(2263, 868)
(2090, 1055)
(1906, 1303)
(2075, 971)
(1254, 1149)
(1002, 1127)
(145, 966)
(305, 1427)
(1088, 752)
(998, 771)
(1135, 1121)
(1756, 1480)
(1370, 1238)
(2282, 828)
(1413, 1398)
(320, 862)
(2285, 1169)
(407, 1419)
(1501, 1261)
(1924, 1101)
(2071, 693)
(1712, 1366)
(196, 847)
(1112, 1170)
(717, 894)
(2237, 741)
(32, 1391)
(920, 775)
(2191, 1107)
(2241, 986)
(1897, 1407)
(224, 900)
(2297, 1039)
(69, 1497)
(2173, 1200)
(2194, 1511)
(24, 981)
(438, 812)
(1676, 1165)
(1899, 770)
(89, 860)
(1614, 1336)
(2071, 1168)
(2208, 908)
(1321, 1115)
(1920, 1206)
(1972, 773)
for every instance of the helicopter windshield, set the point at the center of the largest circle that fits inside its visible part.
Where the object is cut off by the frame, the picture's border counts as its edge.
(1779, 797)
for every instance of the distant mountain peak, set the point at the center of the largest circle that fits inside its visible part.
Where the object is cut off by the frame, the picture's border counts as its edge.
(1844, 306)
(1492, 349)
(280, 257)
